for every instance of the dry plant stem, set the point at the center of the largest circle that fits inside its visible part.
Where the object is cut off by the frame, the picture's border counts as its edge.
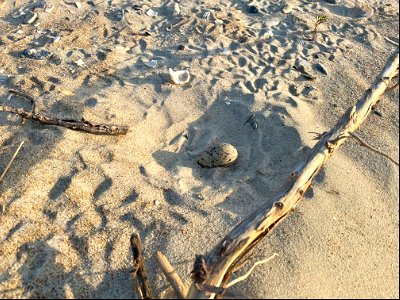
(172, 276)
(255, 227)
(365, 144)
(244, 277)
(11, 161)
(139, 276)
(83, 125)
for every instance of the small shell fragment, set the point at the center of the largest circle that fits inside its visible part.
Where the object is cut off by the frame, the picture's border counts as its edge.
(151, 64)
(152, 13)
(30, 17)
(218, 155)
(179, 77)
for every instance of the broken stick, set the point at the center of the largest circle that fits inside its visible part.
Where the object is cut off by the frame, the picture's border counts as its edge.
(82, 125)
(172, 276)
(139, 276)
(213, 270)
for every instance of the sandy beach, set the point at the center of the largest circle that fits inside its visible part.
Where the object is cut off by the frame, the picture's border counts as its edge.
(71, 200)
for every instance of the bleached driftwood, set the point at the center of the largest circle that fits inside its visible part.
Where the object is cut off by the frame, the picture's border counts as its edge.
(215, 269)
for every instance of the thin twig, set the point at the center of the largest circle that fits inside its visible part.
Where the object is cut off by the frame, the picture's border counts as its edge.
(140, 281)
(364, 144)
(244, 277)
(171, 275)
(392, 88)
(11, 161)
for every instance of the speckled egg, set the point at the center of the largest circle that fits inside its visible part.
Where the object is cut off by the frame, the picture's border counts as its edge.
(218, 155)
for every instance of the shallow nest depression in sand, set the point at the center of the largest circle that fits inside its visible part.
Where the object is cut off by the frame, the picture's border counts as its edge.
(72, 200)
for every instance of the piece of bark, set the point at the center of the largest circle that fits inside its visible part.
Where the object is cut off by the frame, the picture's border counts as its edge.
(83, 125)
(223, 258)
(139, 276)
(171, 275)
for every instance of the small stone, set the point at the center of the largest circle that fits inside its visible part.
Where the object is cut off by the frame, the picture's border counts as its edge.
(218, 155)
(331, 1)
(78, 4)
(181, 47)
(287, 9)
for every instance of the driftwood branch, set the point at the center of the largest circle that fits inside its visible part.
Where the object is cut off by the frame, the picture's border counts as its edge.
(172, 276)
(211, 270)
(82, 125)
(139, 276)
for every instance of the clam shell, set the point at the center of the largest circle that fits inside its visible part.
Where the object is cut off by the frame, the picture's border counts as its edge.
(218, 155)
(179, 77)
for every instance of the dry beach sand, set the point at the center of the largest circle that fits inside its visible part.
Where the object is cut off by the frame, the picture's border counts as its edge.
(71, 199)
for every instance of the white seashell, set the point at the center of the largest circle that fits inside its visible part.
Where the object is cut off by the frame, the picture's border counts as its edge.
(179, 77)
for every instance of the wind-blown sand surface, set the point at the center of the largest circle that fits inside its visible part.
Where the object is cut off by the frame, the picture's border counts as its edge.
(73, 199)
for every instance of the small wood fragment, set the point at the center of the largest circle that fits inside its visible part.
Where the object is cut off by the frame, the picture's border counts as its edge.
(139, 276)
(171, 275)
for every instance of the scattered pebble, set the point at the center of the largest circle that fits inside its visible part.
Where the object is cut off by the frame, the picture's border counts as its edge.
(218, 155)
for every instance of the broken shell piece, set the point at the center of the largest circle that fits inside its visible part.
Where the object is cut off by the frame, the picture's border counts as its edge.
(152, 13)
(151, 64)
(30, 17)
(218, 155)
(80, 62)
(177, 9)
(179, 77)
